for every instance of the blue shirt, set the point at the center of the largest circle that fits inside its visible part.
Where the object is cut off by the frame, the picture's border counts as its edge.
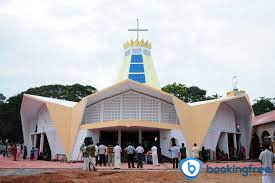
(175, 151)
(130, 149)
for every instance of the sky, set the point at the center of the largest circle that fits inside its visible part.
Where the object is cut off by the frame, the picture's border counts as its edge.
(200, 43)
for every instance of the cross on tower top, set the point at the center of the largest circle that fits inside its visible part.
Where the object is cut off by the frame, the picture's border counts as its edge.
(137, 29)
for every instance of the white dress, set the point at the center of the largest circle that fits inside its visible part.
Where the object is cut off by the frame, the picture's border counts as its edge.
(154, 150)
(117, 151)
(267, 158)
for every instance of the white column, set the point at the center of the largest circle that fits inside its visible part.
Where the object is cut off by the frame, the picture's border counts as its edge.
(34, 140)
(41, 142)
(119, 137)
(140, 136)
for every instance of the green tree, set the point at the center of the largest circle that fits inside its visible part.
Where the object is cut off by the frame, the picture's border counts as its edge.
(69, 92)
(178, 90)
(10, 120)
(2, 98)
(188, 94)
(263, 105)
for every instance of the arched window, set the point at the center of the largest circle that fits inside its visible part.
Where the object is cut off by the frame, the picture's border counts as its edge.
(266, 137)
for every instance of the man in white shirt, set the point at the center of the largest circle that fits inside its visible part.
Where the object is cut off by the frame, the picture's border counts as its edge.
(101, 151)
(139, 151)
(267, 161)
(117, 150)
(195, 151)
(154, 150)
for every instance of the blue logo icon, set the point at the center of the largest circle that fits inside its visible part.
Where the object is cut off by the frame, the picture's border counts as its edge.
(193, 168)
(190, 167)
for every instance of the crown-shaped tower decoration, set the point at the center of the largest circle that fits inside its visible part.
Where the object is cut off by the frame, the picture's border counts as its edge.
(137, 43)
(138, 64)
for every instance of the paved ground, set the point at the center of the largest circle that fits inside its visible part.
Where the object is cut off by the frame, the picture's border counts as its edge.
(7, 163)
(43, 171)
(158, 176)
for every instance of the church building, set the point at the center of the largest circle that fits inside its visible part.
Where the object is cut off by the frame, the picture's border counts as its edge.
(136, 110)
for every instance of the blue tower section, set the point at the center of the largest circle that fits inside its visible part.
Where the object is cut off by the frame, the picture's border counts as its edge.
(136, 70)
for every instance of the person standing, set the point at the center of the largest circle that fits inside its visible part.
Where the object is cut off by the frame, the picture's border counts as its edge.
(18, 152)
(101, 152)
(88, 154)
(175, 157)
(96, 153)
(25, 152)
(267, 160)
(243, 153)
(32, 153)
(195, 151)
(130, 150)
(204, 154)
(86, 158)
(154, 150)
(117, 159)
(110, 153)
(182, 152)
(140, 151)
(13, 152)
(91, 151)
(36, 153)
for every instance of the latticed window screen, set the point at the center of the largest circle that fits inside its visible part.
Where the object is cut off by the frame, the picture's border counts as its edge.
(149, 109)
(168, 113)
(92, 114)
(131, 105)
(111, 109)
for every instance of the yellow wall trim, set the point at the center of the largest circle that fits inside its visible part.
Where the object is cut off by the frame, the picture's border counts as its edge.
(130, 123)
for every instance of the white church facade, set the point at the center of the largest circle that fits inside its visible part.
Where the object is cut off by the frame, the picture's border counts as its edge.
(135, 110)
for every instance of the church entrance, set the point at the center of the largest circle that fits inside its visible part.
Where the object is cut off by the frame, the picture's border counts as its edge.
(46, 149)
(109, 137)
(146, 136)
(231, 146)
(126, 138)
(149, 138)
(129, 137)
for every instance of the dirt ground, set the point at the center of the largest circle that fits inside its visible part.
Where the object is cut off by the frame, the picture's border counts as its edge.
(129, 177)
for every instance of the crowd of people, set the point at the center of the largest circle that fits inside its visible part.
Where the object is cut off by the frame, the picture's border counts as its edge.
(16, 151)
(110, 155)
(234, 154)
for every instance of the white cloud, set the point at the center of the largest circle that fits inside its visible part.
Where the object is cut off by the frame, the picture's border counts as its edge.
(204, 43)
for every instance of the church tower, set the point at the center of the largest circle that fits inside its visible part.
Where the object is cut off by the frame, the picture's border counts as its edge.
(137, 63)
